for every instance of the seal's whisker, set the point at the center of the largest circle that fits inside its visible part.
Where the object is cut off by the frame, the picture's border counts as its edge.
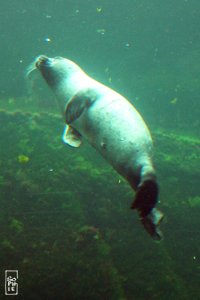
(30, 69)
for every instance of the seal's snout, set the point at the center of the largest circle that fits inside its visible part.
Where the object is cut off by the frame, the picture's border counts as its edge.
(49, 70)
(43, 61)
(38, 63)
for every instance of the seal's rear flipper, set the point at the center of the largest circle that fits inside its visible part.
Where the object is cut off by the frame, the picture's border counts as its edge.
(151, 223)
(146, 197)
(145, 202)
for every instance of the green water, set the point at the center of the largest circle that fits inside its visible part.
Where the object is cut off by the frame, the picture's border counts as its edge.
(65, 220)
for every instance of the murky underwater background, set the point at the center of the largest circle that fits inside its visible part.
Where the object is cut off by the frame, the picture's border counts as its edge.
(65, 220)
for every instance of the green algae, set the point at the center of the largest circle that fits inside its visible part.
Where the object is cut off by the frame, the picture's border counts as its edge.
(16, 226)
(194, 201)
(72, 215)
(6, 244)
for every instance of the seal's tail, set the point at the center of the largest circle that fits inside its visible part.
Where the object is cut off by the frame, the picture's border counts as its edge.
(145, 202)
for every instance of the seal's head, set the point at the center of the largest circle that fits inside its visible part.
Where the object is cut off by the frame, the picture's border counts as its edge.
(58, 72)
(52, 69)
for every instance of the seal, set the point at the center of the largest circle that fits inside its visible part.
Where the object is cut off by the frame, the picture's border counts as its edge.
(112, 125)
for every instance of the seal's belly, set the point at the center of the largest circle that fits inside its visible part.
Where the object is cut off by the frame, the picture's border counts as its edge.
(117, 131)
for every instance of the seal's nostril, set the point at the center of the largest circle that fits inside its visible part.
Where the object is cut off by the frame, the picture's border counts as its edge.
(37, 64)
(42, 60)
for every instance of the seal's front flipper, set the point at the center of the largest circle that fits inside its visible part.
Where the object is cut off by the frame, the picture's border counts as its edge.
(71, 136)
(78, 103)
(151, 223)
